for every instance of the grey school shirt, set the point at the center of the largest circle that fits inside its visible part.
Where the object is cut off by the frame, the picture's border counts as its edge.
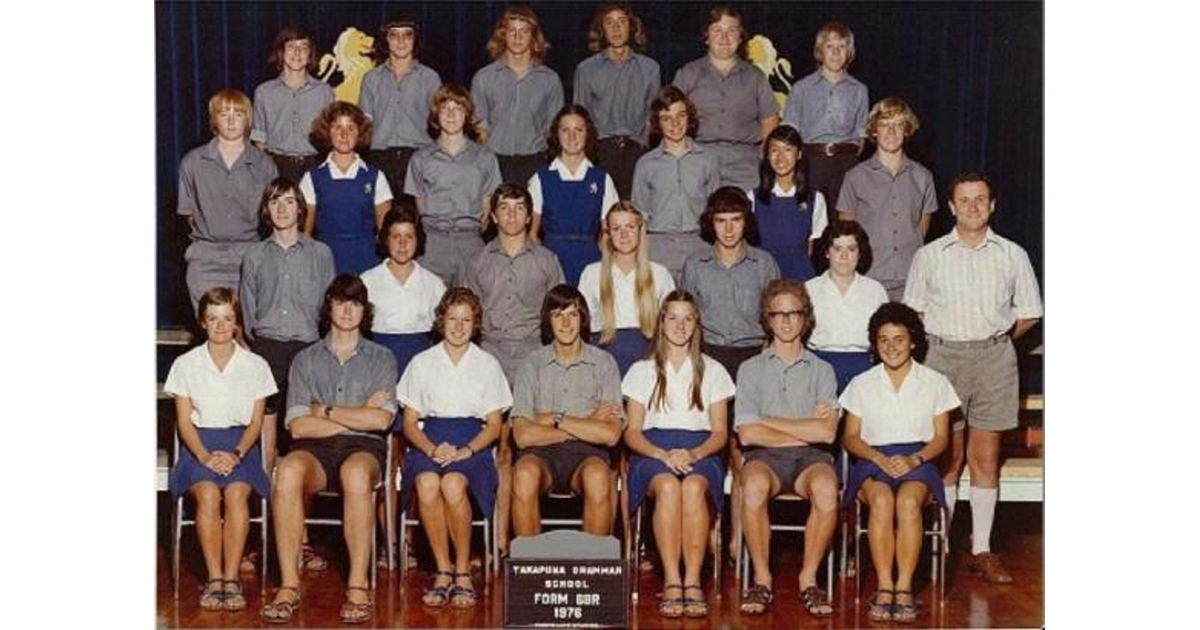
(828, 112)
(282, 289)
(399, 110)
(889, 208)
(283, 117)
(730, 107)
(516, 112)
(224, 201)
(543, 385)
(767, 387)
(728, 296)
(512, 289)
(453, 186)
(316, 376)
(672, 190)
(617, 94)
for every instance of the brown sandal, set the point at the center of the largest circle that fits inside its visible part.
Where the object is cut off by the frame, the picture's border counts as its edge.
(756, 600)
(816, 602)
(356, 612)
(695, 608)
(282, 611)
(235, 600)
(212, 597)
(463, 596)
(670, 607)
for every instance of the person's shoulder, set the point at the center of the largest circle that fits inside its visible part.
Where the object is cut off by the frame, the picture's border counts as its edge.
(854, 82)
(373, 276)
(807, 79)
(376, 351)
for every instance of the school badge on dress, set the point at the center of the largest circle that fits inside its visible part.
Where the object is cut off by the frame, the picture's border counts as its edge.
(367, 189)
(593, 188)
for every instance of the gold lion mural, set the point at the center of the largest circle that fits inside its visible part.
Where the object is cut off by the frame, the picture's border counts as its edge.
(763, 55)
(351, 57)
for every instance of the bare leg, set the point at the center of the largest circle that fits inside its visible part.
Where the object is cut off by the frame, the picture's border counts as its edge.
(910, 497)
(269, 449)
(594, 481)
(759, 484)
(530, 479)
(237, 525)
(695, 535)
(667, 492)
(298, 476)
(504, 488)
(458, 516)
(818, 484)
(880, 530)
(208, 526)
(359, 474)
(432, 511)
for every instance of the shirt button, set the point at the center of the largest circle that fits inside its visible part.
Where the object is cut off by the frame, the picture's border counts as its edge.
(284, 311)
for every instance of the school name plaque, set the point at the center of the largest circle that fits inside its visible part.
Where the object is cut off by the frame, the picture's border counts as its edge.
(565, 593)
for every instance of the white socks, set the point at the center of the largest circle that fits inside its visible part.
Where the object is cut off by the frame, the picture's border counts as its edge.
(983, 513)
(951, 501)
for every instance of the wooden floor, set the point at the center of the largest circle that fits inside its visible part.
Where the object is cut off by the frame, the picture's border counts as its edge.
(970, 602)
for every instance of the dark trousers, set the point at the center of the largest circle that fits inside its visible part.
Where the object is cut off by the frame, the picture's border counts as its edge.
(826, 175)
(394, 164)
(517, 169)
(294, 167)
(618, 155)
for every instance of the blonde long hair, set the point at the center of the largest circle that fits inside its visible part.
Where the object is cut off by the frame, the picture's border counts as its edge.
(661, 350)
(646, 294)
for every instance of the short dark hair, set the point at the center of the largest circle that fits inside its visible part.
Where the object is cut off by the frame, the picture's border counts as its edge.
(666, 97)
(510, 190)
(969, 178)
(553, 147)
(559, 297)
(899, 314)
(287, 34)
(402, 20)
(276, 188)
(728, 200)
(843, 227)
(344, 288)
(404, 210)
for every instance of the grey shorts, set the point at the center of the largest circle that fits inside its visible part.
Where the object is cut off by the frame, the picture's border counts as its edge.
(984, 375)
(563, 460)
(447, 253)
(671, 249)
(787, 462)
(211, 265)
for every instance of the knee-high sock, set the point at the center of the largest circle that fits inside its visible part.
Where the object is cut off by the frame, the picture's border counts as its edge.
(951, 501)
(983, 512)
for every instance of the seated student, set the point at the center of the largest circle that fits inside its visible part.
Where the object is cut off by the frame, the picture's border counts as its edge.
(453, 395)
(404, 293)
(452, 181)
(624, 289)
(891, 195)
(728, 279)
(843, 301)
(672, 181)
(348, 197)
(283, 279)
(566, 414)
(677, 428)
(286, 106)
(395, 95)
(790, 215)
(571, 196)
(220, 186)
(829, 109)
(897, 422)
(517, 94)
(734, 99)
(340, 399)
(786, 406)
(616, 85)
(220, 390)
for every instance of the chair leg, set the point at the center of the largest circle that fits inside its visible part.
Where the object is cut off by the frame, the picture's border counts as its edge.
(374, 542)
(177, 528)
(265, 556)
(637, 553)
(389, 491)
(403, 543)
(858, 552)
(718, 559)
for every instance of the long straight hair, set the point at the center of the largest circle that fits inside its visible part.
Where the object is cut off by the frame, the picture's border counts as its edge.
(645, 293)
(661, 350)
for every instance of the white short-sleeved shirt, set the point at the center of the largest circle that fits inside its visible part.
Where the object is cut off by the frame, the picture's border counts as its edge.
(841, 320)
(898, 417)
(403, 308)
(220, 399)
(678, 413)
(625, 307)
(539, 200)
(436, 387)
(820, 217)
(383, 192)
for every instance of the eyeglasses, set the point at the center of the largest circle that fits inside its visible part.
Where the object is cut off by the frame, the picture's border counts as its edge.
(777, 315)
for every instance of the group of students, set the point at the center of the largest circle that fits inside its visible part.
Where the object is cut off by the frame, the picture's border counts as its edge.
(578, 325)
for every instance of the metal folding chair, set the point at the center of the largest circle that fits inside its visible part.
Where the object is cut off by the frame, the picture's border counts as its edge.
(939, 546)
(744, 568)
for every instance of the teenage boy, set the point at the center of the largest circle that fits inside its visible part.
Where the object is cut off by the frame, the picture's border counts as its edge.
(566, 414)
(285, 107)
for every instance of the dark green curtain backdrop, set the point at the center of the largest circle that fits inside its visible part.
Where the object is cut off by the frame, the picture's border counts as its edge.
(973, 73)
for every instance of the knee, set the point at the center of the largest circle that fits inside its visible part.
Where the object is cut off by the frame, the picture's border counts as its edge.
(289, 477)
(357, 478)
(454, 488)
(908, 507)
(428, 486)
(756, 490)
(236, 496)
(526, 481)
(823, 494)
(668, 491)
(597, 484)
(883, 503)
(208, 498)
(693, 490)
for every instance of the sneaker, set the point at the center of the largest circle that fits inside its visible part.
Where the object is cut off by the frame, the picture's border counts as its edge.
(989, 566)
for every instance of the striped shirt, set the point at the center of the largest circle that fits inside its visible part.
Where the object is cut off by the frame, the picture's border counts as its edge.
(972, 293)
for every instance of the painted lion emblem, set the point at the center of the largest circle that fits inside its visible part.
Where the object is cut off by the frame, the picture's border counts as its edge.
(351, 57)
(763, 55)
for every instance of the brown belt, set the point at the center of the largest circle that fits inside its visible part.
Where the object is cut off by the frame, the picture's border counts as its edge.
(294, 159)
(831, 149)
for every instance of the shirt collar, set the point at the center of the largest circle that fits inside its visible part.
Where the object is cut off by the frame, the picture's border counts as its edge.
(211, 152)
(495, 248)
(778, 191)
(876, 163)
(327, 343)
(559, 165)
(212, 365)
(357, 164)
(989, 237)
(749, 252)
(806, 355)
(587, 354)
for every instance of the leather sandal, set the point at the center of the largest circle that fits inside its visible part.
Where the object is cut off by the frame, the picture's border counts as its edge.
(756, 600)
(816, 602)
(356, 612)
(905, 613)
(463, 596)
(881, 611)
(235, 600)
(670, 607)
(694, 607)
(437, 596)
(282, 611)
(212, 595)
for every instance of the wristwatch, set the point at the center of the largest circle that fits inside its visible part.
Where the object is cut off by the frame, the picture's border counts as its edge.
(920, 459)
(328, 411)
(239, 453)
(558, 418)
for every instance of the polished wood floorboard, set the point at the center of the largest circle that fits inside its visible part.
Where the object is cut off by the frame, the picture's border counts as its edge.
(970, 602)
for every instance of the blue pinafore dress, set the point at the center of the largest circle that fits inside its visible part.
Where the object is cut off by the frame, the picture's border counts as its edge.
(346, 217)
(785, 229)
(571, 218)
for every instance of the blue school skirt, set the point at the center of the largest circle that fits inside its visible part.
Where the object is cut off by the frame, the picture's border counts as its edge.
(479, 469)
(627, 347)
(643, 469)
(404, 347)
(926, 473)
(846, 365)
(188, 471)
